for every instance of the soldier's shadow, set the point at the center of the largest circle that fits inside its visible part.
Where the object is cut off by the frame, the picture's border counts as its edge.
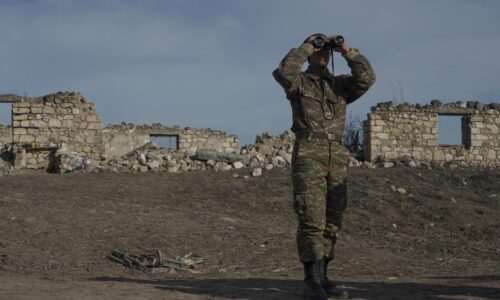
(262, 288)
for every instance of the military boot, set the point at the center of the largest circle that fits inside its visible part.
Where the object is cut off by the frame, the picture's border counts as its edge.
(312, 281)
(329, 287)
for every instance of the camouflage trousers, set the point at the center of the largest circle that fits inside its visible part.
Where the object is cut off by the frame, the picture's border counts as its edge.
(319, 170)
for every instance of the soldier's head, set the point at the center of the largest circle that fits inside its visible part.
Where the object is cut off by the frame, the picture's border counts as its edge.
(319, 58)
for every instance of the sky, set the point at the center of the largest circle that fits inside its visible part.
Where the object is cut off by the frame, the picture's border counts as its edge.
(208, 64)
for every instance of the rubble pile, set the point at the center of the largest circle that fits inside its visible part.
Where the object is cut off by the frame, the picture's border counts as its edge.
(268, 152)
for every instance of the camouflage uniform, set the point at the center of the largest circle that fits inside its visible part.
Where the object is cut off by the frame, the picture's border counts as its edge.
(319, 160)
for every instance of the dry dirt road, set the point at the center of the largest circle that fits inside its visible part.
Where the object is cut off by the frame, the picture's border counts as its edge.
(409, 233)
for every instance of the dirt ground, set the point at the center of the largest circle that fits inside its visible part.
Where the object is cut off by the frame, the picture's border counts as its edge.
(409, 233)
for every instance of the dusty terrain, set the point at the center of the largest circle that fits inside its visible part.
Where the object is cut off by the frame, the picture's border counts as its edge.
(436, 239)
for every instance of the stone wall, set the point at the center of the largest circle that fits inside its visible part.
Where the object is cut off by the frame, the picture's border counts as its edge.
(410, 131)
(121, 139)
(64, 121)
(5, 135)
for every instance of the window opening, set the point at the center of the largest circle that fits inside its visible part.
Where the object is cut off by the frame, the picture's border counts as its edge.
(451, 130)
(5, 114)
(165, 141)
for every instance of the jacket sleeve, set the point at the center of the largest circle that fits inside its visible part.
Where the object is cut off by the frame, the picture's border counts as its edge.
(288, 72)
(362, 76)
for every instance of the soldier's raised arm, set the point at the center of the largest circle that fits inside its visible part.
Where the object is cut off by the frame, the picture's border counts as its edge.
(288, 72)
(362, 76)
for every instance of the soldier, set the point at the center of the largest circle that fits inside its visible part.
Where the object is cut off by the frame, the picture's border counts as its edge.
(319, 159)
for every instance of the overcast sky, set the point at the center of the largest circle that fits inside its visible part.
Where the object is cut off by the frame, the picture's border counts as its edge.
(208, 64)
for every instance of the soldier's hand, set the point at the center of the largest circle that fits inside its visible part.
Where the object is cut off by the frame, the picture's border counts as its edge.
(342, 49)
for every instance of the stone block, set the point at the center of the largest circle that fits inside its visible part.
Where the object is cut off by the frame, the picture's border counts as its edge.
(491, 155)
(492, 128)
(41, 139)
(382, 135)
(91, 118)
(20, 131)
(37, 123)
(439, 155)
(21, 110)
(36, 110)
(48, 110)
(20, 117)
(95, 126)
(22, 104)
(67, 123)
(26, 138)
(476, 143)
(90, 139)
(54, 123)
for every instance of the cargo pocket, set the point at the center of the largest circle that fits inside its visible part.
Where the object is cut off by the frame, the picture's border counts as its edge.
(299, 203)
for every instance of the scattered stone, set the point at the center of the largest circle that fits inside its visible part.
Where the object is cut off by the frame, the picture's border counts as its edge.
(154, 165)
(288, 158)
(238, 165)
(257, 172)
(388, 164)
(211, 162)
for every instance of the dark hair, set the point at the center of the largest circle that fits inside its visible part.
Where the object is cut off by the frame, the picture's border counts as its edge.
(305, 41)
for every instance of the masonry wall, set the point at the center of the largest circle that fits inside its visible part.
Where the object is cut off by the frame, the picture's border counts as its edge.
(5, 135)
(121, 139)
(64, 121)
(393, 132)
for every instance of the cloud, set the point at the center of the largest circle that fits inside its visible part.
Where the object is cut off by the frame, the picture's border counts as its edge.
(209, 63)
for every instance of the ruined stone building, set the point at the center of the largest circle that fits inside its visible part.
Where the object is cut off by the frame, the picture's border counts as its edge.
(121, 139)
(411, 131)
(49, 130)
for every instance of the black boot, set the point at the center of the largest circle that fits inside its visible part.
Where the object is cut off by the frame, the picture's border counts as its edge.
(329, 287)
(312, 281)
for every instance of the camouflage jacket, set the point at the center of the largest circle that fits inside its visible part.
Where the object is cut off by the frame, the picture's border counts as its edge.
(319, 100)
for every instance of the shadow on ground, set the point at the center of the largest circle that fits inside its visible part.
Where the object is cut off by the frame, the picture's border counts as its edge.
(261, 288)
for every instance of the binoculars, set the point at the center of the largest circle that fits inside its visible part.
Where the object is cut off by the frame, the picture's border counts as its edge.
(323, 42)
